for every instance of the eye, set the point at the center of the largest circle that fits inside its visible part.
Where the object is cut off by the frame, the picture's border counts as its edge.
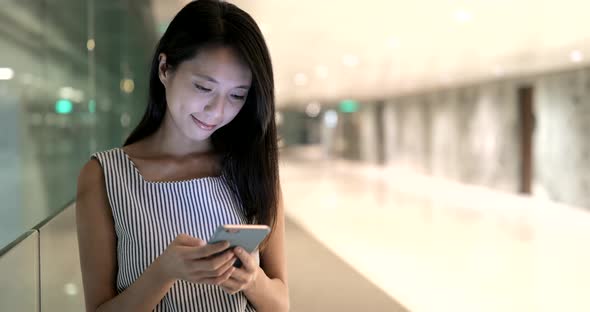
(202, 88)
(238, 97)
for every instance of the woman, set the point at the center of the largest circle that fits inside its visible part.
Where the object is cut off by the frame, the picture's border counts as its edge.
(204, 154)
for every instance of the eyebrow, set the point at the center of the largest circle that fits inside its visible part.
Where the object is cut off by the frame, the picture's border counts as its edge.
(215, 81)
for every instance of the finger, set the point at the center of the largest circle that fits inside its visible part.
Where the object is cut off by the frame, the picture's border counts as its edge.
(248, 262)
(187, 240)
(240, 275)
(189, 251)
(232, 285)
(211, 249)
(220, 279)
(229, 290)
(221, 269)
(212, 263)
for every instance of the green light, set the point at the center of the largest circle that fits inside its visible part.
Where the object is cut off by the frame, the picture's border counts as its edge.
(92, 106)
(349, 106)
(63, 106)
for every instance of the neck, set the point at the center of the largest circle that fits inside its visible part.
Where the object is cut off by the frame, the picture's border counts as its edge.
(169, 140)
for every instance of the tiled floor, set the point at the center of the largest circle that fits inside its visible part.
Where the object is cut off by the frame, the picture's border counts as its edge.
(433, 245)
(320, 281)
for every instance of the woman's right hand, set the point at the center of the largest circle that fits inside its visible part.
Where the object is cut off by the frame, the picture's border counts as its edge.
(192, 259)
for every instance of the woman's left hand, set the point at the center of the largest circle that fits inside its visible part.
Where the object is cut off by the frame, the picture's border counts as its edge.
(242, 278)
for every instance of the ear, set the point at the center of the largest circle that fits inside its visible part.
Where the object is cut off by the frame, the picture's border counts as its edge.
(163, 70)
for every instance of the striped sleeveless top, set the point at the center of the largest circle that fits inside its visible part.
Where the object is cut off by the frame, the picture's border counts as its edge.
(149, 215)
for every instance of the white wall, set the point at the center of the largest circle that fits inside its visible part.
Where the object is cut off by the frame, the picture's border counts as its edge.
(472, 135)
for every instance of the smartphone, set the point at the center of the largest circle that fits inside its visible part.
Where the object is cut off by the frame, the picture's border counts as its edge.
(246, 236)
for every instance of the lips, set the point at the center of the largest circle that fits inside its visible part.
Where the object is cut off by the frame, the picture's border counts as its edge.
(202, 125)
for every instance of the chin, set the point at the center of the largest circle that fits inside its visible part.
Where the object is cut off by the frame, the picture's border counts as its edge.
(200, 135)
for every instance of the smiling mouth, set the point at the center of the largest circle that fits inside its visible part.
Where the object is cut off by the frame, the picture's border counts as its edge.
(202, 125)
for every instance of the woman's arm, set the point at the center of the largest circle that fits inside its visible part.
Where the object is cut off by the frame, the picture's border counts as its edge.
(98, 252)
(265, 286)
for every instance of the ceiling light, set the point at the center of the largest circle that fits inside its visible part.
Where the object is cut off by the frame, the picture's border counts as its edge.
(300, 79)
(576, 56)
(350, 60)
(127, 85)
(321, 71)
(313, 109)
(463, 16)
(70, 93)
(90, 44)
(393, 43)
(498, 71)
(71, 289)
(6, 73)
(331, 119)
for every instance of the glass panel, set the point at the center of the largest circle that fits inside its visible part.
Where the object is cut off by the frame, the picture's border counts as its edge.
(60, 275)
(73, 80)
(19, 275)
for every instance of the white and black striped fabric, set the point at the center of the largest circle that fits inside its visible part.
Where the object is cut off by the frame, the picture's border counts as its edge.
(149, 215)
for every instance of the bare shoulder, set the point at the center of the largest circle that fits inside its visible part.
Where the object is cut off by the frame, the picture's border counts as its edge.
(96, 236)
(90, 175)
(91, 196)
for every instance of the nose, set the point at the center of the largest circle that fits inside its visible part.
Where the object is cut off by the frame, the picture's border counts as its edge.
(215, 107)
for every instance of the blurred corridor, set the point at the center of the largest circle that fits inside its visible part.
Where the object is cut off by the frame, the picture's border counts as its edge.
(434, 155)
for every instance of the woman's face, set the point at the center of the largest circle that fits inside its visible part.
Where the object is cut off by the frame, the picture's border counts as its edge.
(206, 92)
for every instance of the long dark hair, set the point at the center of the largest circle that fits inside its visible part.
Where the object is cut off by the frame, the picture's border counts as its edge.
(248, 144)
